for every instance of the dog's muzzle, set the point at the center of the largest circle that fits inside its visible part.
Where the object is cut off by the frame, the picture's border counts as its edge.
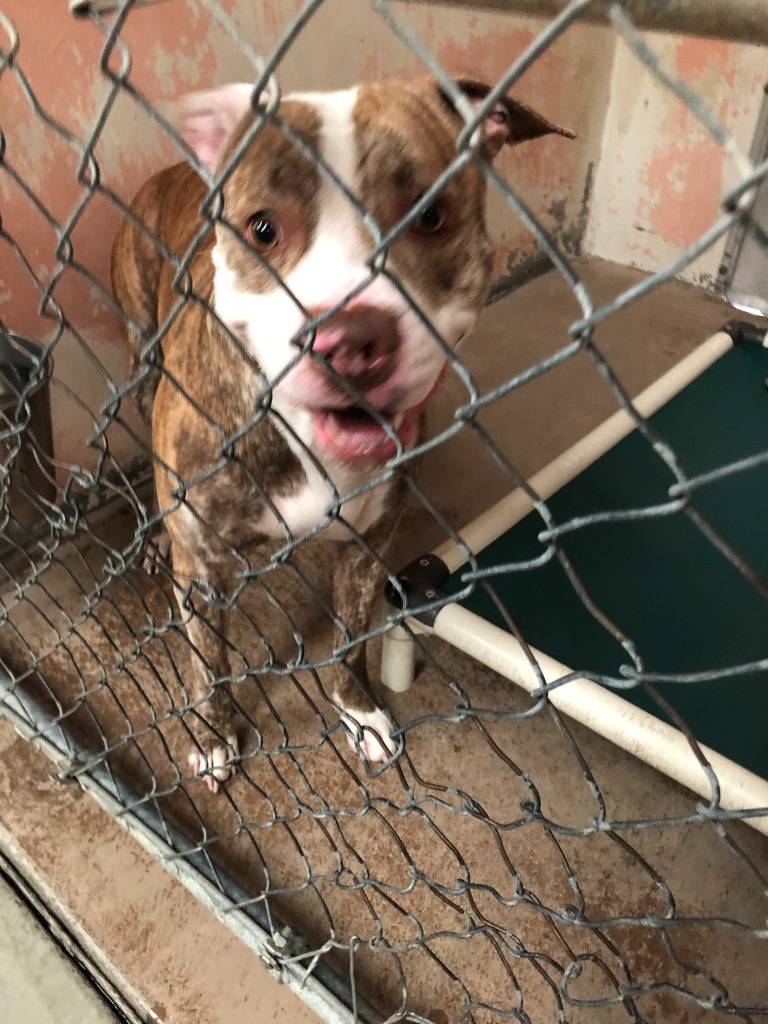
(367, 423)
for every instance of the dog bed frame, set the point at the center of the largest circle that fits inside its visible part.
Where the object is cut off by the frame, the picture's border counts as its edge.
(679, 599)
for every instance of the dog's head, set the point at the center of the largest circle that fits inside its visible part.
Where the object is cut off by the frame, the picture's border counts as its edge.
(294, 250)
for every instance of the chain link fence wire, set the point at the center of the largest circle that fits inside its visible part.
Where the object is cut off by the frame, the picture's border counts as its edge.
(456, 888)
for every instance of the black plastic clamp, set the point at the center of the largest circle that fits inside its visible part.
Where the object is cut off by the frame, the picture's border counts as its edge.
(419, 585)
(742, 332)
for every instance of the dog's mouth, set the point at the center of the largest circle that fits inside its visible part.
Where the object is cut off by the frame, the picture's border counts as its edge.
(353, 436)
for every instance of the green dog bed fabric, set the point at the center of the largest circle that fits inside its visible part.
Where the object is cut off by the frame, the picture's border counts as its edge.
(683, 603)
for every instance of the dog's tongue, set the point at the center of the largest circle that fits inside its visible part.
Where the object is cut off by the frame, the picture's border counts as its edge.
(352, 435)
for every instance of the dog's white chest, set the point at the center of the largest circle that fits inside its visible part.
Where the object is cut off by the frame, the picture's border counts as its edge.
(334, 499)
(315, 505)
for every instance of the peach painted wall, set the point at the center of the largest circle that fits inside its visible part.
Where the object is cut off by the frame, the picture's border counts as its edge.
(175, 47)
(661, 176)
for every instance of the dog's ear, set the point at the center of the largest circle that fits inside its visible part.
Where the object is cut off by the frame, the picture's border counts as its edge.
(508, 122)
(205, 120)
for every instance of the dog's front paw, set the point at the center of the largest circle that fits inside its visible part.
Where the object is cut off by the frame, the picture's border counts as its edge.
(371, 733)
(214, 762)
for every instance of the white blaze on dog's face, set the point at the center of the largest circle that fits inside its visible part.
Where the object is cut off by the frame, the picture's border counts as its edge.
(388, 142)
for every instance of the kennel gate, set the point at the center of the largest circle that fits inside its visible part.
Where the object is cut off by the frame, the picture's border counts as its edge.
(93, 642)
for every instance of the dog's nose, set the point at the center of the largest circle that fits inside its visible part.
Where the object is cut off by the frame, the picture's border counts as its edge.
(360, 344)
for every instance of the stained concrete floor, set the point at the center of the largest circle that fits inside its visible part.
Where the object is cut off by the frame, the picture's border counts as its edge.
(436, 848)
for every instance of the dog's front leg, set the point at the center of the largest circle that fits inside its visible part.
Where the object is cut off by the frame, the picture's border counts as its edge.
(203, 590)
(358, 585)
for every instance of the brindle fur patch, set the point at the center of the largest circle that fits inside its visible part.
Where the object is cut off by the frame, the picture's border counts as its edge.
(406, 139)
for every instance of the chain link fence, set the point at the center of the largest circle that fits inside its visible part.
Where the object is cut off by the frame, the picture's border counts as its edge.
(448, 882)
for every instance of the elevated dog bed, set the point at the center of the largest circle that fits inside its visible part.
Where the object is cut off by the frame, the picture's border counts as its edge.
(690, 602)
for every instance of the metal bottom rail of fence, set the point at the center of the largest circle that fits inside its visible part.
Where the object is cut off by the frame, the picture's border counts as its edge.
(312, 980)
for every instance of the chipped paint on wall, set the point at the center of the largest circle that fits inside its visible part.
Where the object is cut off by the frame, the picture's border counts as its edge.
(705, 63)
(682, 182)
(662, 176)
(549, 174)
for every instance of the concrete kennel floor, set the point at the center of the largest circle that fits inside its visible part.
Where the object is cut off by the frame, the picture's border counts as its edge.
(187, 966)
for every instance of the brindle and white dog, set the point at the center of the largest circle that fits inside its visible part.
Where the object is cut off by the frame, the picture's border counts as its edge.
(347, 399)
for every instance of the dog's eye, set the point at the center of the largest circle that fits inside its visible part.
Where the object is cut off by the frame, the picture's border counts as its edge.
(430, 220)
(261, 231)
